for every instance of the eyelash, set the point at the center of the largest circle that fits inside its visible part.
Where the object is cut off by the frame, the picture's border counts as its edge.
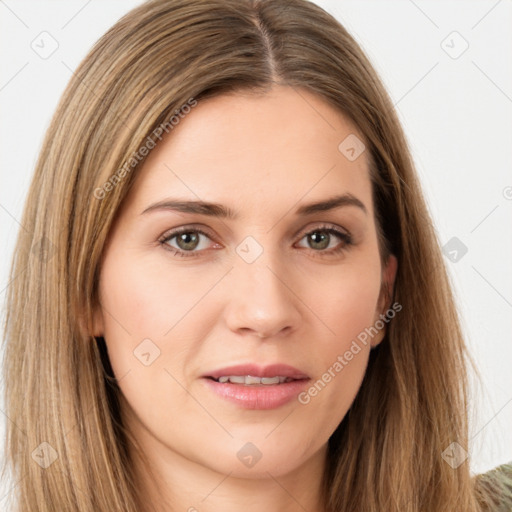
(346, 240)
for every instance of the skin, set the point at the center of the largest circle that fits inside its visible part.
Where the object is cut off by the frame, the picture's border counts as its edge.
(262, 156)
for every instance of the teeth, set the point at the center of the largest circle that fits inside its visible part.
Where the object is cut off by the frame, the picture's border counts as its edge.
(237, 380)
(270, 380)
(250, 380)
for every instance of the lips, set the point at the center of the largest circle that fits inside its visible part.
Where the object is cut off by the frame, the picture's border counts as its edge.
(255, 387)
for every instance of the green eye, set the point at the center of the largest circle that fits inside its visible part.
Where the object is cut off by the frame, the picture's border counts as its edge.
(320, 239)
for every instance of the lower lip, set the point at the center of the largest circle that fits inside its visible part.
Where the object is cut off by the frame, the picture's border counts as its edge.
(258, 396)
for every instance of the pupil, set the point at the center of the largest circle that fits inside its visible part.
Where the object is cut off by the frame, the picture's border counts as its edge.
(188, 241)
(322, 240)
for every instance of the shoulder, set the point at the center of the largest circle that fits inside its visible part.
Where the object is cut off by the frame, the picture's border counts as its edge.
(498, 481)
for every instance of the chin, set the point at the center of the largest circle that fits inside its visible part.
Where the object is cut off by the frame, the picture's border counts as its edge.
(260, 457)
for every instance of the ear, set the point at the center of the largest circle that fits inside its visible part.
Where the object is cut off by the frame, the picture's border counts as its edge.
(386, 293)
(98, 324)
(91, 324)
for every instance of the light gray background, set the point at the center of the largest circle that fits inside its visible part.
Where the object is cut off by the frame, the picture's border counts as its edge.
(456, 110)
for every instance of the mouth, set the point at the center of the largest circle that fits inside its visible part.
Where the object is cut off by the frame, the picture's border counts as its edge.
(254, 387)
(261, 373)
(251, 380)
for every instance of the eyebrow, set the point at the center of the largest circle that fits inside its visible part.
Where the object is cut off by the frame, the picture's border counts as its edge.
(219, 210)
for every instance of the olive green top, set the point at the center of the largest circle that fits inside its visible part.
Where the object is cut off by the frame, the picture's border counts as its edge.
(499, 482)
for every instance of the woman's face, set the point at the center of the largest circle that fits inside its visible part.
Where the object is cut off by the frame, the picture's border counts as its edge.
(271, 288)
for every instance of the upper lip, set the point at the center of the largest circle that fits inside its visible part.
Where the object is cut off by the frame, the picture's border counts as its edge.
(273, 370)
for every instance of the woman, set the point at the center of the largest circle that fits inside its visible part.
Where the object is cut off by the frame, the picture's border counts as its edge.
(229, 283)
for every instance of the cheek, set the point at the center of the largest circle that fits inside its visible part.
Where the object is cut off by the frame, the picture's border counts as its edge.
(347, 307)
(150, 314)
(142, 298)
(352, 305)
(149, 330)
(347, 302)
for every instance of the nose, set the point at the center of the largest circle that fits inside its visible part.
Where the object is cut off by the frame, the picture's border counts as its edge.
(262, 301)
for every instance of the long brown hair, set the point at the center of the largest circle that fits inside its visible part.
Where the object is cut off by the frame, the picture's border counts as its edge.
(66, 443)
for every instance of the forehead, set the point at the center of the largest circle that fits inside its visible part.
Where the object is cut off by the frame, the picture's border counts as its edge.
(256, 151)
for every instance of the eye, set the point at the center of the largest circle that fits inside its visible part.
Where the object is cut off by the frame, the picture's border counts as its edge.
(323, 240)
(186, 241)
